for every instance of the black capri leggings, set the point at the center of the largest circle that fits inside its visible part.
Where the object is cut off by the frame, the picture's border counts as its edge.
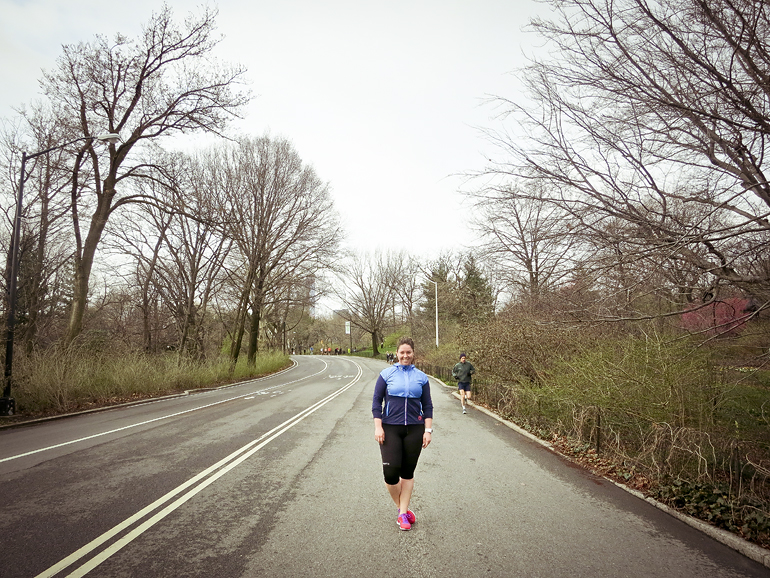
(400, 451)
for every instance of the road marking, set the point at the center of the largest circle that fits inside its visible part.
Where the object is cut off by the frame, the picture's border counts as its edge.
(53, 447)
(203, 480)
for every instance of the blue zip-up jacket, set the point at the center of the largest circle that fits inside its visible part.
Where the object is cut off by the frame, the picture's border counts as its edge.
(402, 396)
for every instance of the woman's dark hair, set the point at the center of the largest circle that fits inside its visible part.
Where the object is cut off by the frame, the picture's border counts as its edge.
(405, 341)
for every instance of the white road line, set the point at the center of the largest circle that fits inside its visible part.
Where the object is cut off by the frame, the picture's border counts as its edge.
(53, 447)
(206, 478)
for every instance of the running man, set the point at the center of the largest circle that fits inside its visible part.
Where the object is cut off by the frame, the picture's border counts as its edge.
(462, 373)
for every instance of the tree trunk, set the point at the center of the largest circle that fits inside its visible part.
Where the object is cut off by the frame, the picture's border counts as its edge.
(146, 325)
(36, 277)
(149, 307)
(238, 341)
(85, 262)
(256, 318)
(375, 349)
(30, 332)
(254, 337)
(240, 322)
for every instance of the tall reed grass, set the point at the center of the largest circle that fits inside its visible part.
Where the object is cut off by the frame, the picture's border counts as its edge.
(56, 381)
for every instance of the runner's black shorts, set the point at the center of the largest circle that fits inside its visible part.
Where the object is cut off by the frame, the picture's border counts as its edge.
(466, 385)
(400, 451)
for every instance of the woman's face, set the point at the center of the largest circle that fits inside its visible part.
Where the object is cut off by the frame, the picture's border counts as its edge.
(405, 354)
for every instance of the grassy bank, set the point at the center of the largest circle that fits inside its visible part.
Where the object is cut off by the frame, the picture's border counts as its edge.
(63, 381)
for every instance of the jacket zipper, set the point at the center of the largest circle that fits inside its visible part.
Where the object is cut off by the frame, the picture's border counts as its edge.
(406, 399)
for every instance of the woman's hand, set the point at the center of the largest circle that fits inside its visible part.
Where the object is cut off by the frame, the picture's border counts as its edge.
(426, 439)
(379, 434)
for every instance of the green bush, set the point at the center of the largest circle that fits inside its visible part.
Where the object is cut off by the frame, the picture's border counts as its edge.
(657, 404)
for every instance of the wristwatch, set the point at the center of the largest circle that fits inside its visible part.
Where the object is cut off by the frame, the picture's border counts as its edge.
(429, 430)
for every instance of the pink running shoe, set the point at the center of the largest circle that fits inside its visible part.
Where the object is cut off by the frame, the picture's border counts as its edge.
(403, 522)
(409, 516)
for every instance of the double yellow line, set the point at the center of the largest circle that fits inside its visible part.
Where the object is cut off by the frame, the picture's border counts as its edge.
(180, 495)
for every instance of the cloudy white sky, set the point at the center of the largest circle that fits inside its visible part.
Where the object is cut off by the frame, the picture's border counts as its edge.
(384, 99)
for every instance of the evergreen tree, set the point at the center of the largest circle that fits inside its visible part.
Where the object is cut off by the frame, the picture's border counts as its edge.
(477, 299)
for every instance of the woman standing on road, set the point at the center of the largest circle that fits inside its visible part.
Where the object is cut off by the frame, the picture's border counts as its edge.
(403, 416)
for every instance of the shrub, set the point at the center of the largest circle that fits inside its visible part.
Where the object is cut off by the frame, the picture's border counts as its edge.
(726, 317)
(651, 402)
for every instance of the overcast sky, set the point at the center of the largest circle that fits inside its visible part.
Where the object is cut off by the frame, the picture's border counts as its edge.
(384, 99)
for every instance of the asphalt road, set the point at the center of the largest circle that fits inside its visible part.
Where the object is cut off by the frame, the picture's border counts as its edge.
(281, 477)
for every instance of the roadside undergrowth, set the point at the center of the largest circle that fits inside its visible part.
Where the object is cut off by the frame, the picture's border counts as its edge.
(56, 382)
(714, 502)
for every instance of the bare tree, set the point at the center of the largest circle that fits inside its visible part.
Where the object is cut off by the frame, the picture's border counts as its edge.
(163, 83)
(650, 131)
(141, 238)
(197, 249)
(368, 289)
(286, 309)
(531, 244)
(408, 292)
(180, 247)
(45, 247)
(283, 222)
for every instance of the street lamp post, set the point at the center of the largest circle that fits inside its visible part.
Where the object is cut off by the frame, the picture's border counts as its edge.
(436, 300)
(7, 403)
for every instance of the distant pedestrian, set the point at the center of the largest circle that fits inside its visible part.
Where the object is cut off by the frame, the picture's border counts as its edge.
(462, 373)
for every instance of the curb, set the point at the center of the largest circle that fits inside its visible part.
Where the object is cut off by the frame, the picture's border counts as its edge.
(748, 549)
